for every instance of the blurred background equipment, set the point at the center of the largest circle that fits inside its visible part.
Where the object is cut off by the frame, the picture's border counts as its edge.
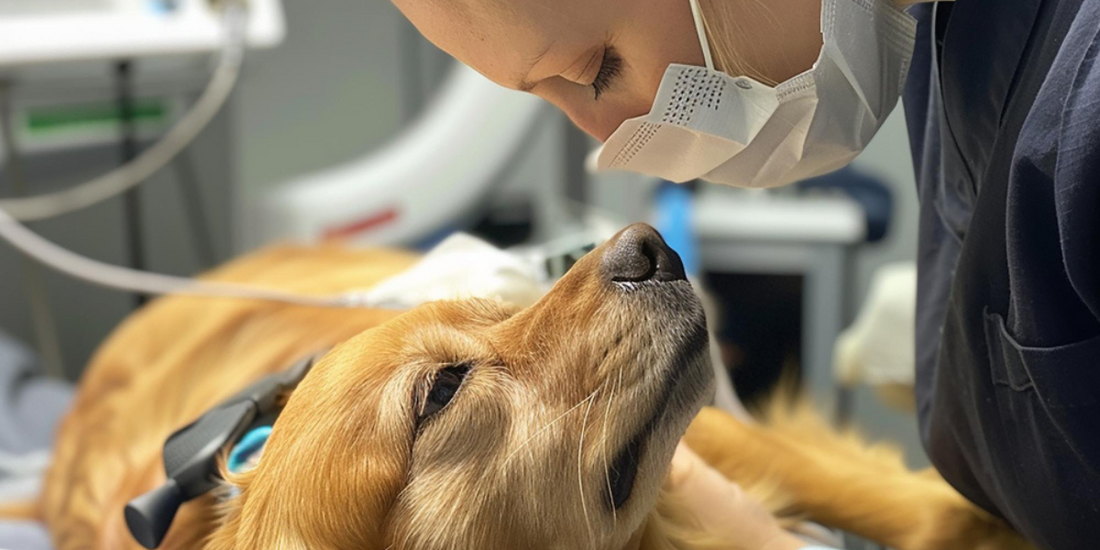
(782, 265)
(432, 178)
(87, 86)
(879, 349)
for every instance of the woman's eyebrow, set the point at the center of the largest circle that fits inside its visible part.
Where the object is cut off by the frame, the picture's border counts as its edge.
(589, 58)
(524, 83)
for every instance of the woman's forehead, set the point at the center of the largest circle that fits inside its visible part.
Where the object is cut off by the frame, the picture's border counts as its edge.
(504, 39)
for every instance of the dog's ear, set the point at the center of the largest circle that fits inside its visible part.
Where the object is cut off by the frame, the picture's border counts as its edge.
(228, 511)
(229, 528)
(192, 526)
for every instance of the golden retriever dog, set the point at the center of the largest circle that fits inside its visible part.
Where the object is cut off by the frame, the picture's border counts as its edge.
(463, 425)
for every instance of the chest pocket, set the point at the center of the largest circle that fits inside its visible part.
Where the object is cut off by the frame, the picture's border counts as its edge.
(1060, 385)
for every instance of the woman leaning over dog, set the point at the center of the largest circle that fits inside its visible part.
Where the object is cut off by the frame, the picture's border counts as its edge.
(1002, 99)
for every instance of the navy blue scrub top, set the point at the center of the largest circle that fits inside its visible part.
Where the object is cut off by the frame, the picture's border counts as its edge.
(1003, 107)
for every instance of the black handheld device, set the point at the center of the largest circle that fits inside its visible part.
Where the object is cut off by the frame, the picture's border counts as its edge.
(191, 453)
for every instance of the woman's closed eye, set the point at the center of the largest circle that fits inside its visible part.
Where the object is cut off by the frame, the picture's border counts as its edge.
(610, 69)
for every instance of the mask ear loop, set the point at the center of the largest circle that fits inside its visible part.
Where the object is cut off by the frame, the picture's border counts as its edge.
(701, 28)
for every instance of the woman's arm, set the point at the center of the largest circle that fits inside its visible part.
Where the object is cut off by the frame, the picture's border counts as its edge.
(724, 509)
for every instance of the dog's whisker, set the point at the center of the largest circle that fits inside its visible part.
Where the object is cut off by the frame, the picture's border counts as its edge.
(549, 425)
(604, 440)
(580, 465)
(606, 421)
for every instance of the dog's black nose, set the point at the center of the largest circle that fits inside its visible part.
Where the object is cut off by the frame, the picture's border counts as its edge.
(640, 254)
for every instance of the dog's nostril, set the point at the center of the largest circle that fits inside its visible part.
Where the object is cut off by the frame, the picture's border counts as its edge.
(649, 251)
(640, 254)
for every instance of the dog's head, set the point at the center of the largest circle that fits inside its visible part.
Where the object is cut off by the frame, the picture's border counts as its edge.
(469, 425)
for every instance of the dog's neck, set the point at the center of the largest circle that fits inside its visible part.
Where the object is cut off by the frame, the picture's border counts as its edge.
(635, 542)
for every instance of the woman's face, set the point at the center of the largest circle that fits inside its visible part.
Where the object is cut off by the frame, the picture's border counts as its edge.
(599, 61)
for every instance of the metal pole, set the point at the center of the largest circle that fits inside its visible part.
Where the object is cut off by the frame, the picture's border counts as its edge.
(128, 149)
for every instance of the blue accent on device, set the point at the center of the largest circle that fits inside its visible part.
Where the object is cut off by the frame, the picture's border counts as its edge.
(252, 443)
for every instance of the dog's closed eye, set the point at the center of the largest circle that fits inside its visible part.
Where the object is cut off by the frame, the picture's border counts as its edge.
(443, 389)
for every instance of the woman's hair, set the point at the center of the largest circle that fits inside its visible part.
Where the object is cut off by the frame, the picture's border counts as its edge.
(720, 20)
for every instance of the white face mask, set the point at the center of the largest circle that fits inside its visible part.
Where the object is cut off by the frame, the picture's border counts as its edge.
(737, 131)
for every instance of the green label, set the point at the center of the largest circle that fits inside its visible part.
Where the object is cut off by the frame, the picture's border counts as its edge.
(57, 119)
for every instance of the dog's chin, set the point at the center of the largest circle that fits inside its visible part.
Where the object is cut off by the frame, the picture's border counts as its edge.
(686, 375)
(685, 385)
(688, 387)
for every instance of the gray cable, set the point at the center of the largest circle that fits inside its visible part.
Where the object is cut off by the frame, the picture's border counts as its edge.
(126, 279)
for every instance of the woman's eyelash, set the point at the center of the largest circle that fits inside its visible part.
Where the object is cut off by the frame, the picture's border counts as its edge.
(610, 69)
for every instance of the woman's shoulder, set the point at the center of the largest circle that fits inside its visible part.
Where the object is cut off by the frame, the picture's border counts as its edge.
(1059, 153)
(1065, 116)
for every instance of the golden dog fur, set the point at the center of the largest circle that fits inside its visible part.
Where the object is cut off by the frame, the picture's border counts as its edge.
(519, 460)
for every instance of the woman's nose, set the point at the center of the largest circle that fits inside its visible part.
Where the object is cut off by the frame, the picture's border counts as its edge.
(598, 119)
(591, 124)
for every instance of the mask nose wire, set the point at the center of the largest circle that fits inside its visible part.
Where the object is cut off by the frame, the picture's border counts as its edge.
(701, 28)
